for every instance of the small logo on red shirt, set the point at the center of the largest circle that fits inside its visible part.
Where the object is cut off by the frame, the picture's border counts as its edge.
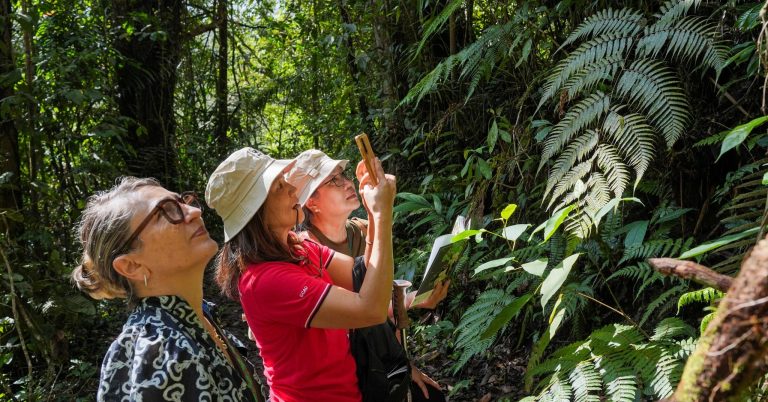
(303, 291)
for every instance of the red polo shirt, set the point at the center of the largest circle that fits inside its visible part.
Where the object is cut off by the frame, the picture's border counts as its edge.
(300, 363)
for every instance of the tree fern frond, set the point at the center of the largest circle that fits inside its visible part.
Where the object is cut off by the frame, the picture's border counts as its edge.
(634, 138)
(622, 22)
(616, 173)
(479, 346)
(477, 317)
(706, 295)
(666, 374)
(688, 39)
(576, 151)
(569, 180)
(593, 74)
(580, 116)
(653, 278)
(659, 301)
(655, 89)
(430, 81)
(670, 328)
(672, 10)
(634, 272)
(619, 378)
(586, 382)
(435, 23)
(654, 248)
(600, 48)
(559, 390)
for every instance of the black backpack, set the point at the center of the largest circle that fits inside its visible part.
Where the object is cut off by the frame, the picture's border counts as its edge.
(383, 370)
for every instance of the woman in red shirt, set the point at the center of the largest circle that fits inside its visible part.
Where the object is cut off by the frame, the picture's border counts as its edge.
(296, 294)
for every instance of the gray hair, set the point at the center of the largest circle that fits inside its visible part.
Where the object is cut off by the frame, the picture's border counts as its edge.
(103, 228)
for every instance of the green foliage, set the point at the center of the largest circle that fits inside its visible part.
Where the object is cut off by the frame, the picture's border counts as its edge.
(625, 97)
(619, 363)
(474, 323)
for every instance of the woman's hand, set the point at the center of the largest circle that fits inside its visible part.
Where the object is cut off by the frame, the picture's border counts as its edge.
(422, 380)
(380, 198)
(438, 294)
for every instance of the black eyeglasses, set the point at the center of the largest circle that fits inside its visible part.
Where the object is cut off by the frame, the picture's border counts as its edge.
(170, 208)
(338, 179)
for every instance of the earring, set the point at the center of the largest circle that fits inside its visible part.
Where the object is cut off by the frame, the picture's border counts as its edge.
(145, 280)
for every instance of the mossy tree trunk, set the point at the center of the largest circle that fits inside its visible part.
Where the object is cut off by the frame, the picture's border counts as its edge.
(731, 354)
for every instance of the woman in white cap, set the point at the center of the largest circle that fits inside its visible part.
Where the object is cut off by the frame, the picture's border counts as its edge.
(295, 294)
(328, 198)
(149, 245)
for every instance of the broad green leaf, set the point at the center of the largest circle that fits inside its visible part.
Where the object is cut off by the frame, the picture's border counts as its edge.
(553, 223)
(536, 267)
(492, 264)
(484, 168)
(508, 211)
(765, 179)
(493, 136)
(509, 312)
(612, 204)
(739, 134)
(703, 248)
(635, 233)
(556, 318)
(513, 232)
(465, 234)
(556, 278)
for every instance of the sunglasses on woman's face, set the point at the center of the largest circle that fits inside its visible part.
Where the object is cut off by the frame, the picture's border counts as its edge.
(170, 209)
(339, 179)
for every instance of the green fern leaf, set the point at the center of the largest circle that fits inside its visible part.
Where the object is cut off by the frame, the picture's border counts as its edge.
(670, 328)
(706, 295)
(591, 75)
(655, 89)
(634, 138)
(660, 301)
(580, 116)
(616, 173)
(623, 22)
(688, 39)
(575, 151)
(600, 48)
(672, 10)
(434, 24)
(586, 382)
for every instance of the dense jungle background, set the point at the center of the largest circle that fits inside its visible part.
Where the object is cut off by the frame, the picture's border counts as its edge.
(582, 136)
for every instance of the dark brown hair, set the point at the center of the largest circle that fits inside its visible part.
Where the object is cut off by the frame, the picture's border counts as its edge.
(254, 243)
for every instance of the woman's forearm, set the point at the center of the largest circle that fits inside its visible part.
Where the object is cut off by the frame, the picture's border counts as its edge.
(377, 287)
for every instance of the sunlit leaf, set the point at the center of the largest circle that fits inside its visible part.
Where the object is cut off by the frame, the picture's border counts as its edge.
(556, 278)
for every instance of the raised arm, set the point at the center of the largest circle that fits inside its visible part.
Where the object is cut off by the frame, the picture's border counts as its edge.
(343, 308)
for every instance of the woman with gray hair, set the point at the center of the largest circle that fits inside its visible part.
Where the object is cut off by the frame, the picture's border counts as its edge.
(146, 244)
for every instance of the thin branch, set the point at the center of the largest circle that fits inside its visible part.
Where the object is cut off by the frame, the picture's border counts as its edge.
(619, 312)
(17, 322)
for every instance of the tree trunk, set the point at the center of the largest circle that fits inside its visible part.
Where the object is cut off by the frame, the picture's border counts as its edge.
(146, 79)
(222, 90)
(10, 163)
(35, 144)
(730, 357)
(354, 72)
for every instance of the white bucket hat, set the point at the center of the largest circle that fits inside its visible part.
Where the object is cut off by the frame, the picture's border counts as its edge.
(239, 186)
(312, 168)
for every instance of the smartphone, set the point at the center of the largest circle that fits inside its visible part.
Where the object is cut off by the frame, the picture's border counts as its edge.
(364, 145)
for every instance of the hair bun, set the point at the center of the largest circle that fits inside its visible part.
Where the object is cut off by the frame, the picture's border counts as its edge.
(88, 280)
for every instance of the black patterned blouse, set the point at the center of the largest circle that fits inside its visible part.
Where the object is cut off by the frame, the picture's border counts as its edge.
(165, 354)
